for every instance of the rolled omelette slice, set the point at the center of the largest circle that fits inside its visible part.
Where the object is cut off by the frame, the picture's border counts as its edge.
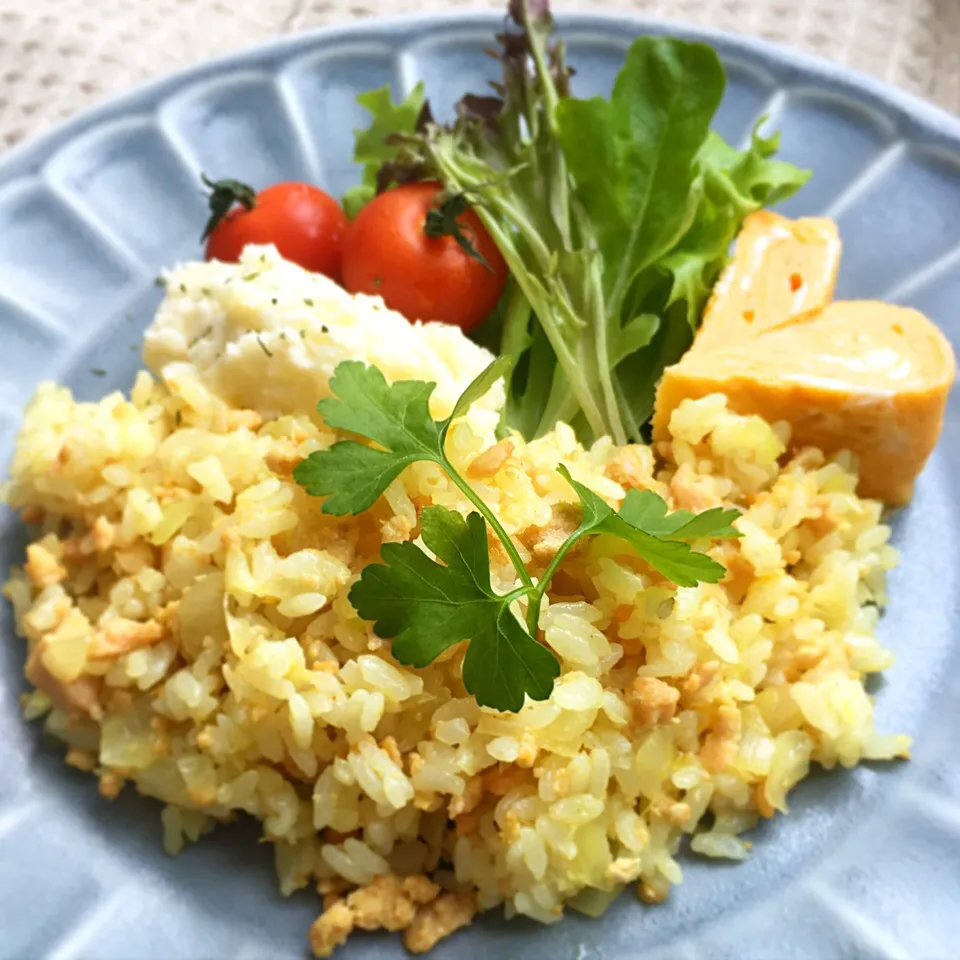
(780, 268)
(863, 376)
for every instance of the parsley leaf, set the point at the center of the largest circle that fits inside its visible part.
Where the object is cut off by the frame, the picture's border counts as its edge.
(425, 607)
(671, 557)
(350, 475)
(645, 510)
(395, 416)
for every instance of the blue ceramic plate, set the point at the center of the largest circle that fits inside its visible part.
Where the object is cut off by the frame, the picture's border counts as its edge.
(868, 862)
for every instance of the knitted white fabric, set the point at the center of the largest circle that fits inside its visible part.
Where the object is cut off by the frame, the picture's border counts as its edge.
(59, 56)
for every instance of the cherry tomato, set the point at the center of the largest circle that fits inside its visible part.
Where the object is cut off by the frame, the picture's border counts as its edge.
(388, 251)
(306, 224)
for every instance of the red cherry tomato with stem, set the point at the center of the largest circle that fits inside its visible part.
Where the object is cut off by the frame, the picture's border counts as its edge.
(428, 256)
(305, 224)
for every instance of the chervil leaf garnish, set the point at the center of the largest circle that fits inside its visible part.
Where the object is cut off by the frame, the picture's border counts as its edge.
(425, 607)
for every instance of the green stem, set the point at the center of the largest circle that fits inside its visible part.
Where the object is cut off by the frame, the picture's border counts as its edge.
(533, 613)
(495, 525)
(548, 91)
(554, 565)
(526, 229)
(543, 584)
(517, 594)
(516, 322)
(456, 178)
(529, 588)
(602, 354)
(561, 404)
(627, 416)
(546, 314)
(557, 182)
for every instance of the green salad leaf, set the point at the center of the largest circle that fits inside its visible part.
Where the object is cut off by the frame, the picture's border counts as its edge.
(632, 157)
(731, 184)
(377, 146)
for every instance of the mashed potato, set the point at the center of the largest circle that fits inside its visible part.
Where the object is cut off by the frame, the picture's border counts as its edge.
(266, 335)
(189, 633)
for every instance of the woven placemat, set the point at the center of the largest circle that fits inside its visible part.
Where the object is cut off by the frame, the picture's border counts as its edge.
(59, 56)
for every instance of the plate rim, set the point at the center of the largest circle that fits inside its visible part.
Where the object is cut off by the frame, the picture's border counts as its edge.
(913, 118)
(27, 157)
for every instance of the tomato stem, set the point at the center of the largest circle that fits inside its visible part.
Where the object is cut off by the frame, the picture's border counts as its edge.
(223, 197)
(442, 222)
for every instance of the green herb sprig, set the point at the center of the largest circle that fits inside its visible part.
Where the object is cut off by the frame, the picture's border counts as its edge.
(427, 605)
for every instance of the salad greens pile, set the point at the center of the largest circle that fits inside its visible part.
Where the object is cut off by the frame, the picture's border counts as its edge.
(614, 216)
(375, 147)
(426, 605)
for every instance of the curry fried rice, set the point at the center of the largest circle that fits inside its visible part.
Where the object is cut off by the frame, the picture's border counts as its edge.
(189, 633)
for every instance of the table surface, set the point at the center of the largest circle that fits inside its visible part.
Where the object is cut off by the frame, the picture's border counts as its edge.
(59, 56)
